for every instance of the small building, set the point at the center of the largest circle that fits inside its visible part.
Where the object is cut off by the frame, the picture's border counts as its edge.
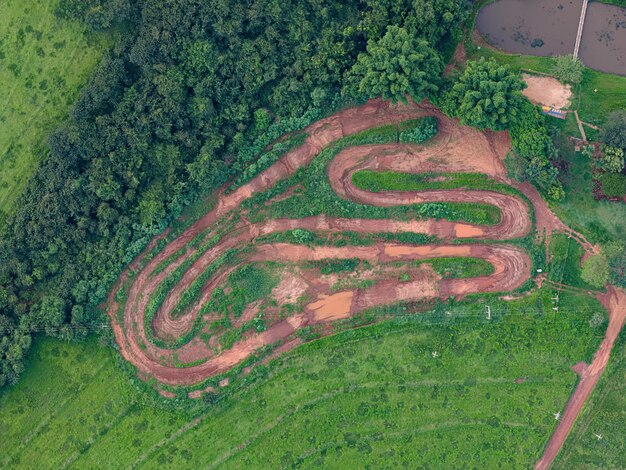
(554, 112)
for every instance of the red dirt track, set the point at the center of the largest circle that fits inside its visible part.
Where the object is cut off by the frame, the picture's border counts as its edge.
(454, 149)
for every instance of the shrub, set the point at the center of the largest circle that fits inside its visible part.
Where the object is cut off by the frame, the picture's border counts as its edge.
(567, 69)
(616, 254)
(614, 132)
(515, 166)
(611, 160)
(424, 130)
(302, 236)
(530, 139)
(597, 320)
(595, 270)
(556, 192)
(613, 184)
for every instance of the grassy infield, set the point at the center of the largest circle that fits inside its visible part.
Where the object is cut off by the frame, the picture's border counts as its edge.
(375, 395)
(45, 61)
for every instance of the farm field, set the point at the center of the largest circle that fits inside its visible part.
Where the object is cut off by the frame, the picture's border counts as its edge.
(487, 398)
(45, 61)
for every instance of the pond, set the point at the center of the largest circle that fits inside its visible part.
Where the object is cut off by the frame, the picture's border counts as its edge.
(549, 27)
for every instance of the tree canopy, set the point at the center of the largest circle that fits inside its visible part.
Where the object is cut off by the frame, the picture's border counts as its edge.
(568, 69)
(595, 270)
(486, 95)
(614, 132)
(397, 65)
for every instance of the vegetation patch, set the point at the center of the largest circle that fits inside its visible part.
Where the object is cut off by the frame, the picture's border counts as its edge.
(45, 62)
(383, 377)
(565, 261)
(380, 181)
(321, 198)
(595, 440)
(458, 268)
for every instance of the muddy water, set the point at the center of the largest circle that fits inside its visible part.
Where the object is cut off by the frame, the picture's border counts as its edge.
(603, 45)
(535, 27)
(548, 27)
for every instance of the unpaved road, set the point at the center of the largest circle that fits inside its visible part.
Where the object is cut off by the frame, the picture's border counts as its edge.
(614, 300)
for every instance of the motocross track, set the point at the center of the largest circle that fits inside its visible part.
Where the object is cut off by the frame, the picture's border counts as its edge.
(454, 149)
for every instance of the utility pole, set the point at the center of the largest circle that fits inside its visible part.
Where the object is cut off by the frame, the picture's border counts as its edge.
(488, 310)
(555, 304)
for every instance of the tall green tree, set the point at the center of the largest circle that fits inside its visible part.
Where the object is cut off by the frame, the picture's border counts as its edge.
(595, 270)
(398, 65)
(614, 132)
(486, 95)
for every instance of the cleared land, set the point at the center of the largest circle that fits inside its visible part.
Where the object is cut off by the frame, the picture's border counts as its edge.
(200, 272)
(45, 61)
(547, 90)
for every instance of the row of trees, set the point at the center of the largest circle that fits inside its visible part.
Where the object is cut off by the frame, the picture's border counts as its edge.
(161, 121)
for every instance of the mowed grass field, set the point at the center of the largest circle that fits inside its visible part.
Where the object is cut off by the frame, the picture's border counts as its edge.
(44, 61)
(445, 389)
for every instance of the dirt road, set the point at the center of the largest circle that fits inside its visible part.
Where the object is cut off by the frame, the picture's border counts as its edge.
(614, 300)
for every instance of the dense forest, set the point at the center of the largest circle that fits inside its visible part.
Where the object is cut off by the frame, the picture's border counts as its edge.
(171, 113)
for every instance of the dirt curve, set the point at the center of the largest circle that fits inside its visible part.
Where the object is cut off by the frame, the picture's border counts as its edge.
(455, 148)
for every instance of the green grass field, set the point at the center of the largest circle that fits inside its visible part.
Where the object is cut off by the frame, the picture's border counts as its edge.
(604, 415)
(373, 397)
(45, 61)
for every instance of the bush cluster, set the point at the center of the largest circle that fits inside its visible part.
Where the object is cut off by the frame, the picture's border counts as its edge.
(424, 130)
